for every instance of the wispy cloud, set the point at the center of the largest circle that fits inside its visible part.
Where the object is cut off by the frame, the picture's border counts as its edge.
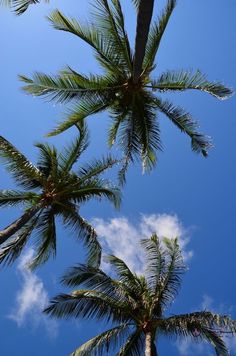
(121, 237)
(31, 299)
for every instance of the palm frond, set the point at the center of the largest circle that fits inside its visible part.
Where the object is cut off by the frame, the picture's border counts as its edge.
(95, 168)
(46, 244)
(111, 26)
(134, 346)
(87, 304)
(174, 269)
(85, 232)
(47, 160)
(184, 80)
(155, 262)
(22, 170)
(61, 88)
(201, 326)
(104, 50)
(183, 120)
(76, 115)
(20, 6)
(155, 35)
(70, 154)
(12, 250)
(103, 343)
(14, 197)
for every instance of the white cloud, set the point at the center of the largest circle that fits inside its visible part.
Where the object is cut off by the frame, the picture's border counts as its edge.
(121, 237)
(31, 299)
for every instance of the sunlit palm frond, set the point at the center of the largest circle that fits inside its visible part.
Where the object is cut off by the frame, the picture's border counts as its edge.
(22, 170)
(184, 80)
(47, 160)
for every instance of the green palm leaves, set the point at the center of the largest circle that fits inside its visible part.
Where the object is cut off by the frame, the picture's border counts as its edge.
(20, 6)
(130, 99)
(136, 304)
(56, 191)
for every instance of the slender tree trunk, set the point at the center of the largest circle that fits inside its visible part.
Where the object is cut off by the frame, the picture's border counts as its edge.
(19, 223)
(148, 344)
(143, 24)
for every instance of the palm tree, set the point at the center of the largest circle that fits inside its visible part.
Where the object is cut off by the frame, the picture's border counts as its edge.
(136, 304)
(55, 191)
(131, 101)
(20, 6)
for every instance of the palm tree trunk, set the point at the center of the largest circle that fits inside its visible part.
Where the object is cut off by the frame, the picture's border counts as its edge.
(148, 344)
(144, 17)
(19, 223)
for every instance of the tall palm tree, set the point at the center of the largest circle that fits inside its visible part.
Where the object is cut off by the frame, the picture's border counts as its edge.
(132, 103)
(55, 191)
(20, 6)
(137, 304)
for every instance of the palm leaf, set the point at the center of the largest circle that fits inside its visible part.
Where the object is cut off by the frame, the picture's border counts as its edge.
(14, 197)
(12, 250)
(155, 35)
(46, 244)
(70, 154)
(134, 345)
(104, 50)
(76, 115)
(103, 343)
(184, 121)
(22, 170)
(183, 80)
(20, 6)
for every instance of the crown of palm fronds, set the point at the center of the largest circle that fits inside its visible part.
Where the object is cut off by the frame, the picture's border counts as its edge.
(133, 102)
(55, 191)
(136, 304)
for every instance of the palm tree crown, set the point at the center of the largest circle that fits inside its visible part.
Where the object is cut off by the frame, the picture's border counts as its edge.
(137, 304)
(55, 191)
(131, 101)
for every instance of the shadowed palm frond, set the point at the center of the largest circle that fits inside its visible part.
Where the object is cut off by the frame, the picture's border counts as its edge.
(12, 250)
(14, 197)
(183, 120)
(174, 269)
(103, 343)
(20, 6)
(134, 345)
(155, 262)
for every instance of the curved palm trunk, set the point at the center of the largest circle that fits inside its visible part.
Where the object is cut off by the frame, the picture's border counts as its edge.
(144, 17)
(19, 223)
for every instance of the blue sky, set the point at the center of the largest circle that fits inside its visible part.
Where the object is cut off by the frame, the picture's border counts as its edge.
(185, 194)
